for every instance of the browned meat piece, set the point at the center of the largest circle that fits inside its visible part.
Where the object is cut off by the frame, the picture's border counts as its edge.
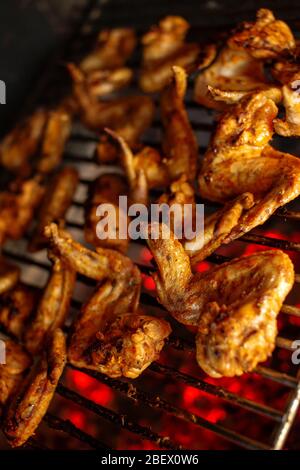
(179, 142)
(9, 275)
(112, 50)
(22, 143)
(129, 116)
(240, 160)
(218, 227)
(56, 134)
(233, 306)
(16, 307)
(57, 199)
(17, 208)
(53, 307)
(106, 190)
(33, 397)
(110, 340)
(97, 265)
(13, 371)
(266, 38)
(163, 47)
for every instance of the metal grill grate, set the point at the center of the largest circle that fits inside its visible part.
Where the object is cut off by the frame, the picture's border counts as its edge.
(79, 153)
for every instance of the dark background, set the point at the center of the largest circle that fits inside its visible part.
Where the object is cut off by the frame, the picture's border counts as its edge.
(32, 32)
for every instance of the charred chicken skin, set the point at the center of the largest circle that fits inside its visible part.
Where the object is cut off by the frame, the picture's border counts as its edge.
(53, 306)
(30, 403)
(233, 306)
(240, 160)
(163, 47)
(56, 201)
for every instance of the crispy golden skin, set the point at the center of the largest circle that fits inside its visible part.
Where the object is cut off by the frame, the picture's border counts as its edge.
(240, 160)
(129, 116)
(287, 72)
(9, 275)
(57, 132)
(22, 143)
(16, 307)
(32, 399)
(230, 77)
(17, 207)
(110, 340)
(218, 227)
(106, 189)
(57, 199)
(96, 265)
(266, 38)
(233, 306)
(53, 307)
(179, 142)
(112, 50)
(163, 47)
(13, 371)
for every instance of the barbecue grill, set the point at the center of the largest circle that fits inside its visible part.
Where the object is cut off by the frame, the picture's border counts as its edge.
(167, 407)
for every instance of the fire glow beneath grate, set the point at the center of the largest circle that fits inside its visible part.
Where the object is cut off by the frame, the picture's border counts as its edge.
(173, 403)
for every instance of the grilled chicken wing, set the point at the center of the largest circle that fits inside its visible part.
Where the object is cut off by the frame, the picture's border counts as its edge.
(57, 199)
(240, 160)
(287, 72)
(113, 49)
(9, 275)
(96, 265)
(106, 189)
(230, 77)
(17, 207)
(56, 134)
(102, 82)
(163, 47)
(233, 306)
(17, 362)
(16, 307)
(266, 38)
(218, 227)
(109, 339)
(33, 397)
(179, 142)
(53, 307)
(129, 116)
(22, 143)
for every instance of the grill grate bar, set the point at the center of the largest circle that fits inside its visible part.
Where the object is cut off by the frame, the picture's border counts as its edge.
(227, 434)
(68, 427)
(133, 393)
(116, 418)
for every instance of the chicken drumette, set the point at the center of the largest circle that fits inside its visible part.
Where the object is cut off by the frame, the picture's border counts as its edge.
(31, 400)
(239, 159)
(56, 201)
(233, 307)
(110, 335)
(163, 47)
